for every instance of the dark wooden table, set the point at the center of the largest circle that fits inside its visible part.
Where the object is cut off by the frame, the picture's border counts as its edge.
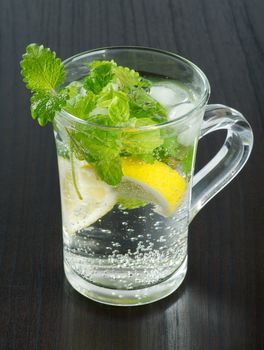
(220, 305)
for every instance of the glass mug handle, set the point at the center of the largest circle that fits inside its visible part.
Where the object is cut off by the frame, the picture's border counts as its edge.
(229, 160)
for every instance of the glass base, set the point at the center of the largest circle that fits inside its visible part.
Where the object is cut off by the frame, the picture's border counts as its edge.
(127, 297)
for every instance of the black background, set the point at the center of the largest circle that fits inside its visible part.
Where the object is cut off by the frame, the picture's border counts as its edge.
(220, 305)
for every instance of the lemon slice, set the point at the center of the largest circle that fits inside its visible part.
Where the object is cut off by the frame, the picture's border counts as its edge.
(98, 198)
(156, 183)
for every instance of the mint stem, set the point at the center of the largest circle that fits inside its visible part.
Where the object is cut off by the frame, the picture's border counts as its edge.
(75, 144)
(73, 173)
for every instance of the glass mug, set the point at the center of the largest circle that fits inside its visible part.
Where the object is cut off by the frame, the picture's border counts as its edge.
(133, 250)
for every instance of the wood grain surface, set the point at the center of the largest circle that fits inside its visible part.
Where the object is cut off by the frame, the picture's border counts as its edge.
(220, 305)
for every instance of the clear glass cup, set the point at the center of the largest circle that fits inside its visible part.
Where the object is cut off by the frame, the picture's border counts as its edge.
(127, 244)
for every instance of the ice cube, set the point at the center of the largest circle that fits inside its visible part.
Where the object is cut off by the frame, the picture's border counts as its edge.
(187, 137)
(168, 94)
(163, 95)
(189, 128)
(180, 110)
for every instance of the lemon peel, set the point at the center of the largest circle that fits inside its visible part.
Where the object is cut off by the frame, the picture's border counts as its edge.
(154, 182)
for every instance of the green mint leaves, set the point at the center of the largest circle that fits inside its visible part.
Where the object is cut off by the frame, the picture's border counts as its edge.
(80, 106)
(43, 73)
(127, 78)
(41, 70)
(100, 75)
(119, 109)
(101, 148)
(171, 150)
(109, 170)
(141, 144)
(45, 104)
(120, 91)
(108, 96)
(144, 106)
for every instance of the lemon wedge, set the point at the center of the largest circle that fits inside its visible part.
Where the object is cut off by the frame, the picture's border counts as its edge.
(98, 198)
(156, 183)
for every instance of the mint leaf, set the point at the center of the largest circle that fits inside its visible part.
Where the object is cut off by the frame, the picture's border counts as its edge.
(127, 78)
(142, 143)
(96, 142)
(144, 106)
(119, 109)
(96, 63)
(101, 148)
(41, 70)
(102, 72)
(99, 76)
(74, 88)
(146, 157)
(80, 106)
(116, 105)
(109, 170)
(44, 105)
(171, 151)
(43, 73)
(107, 94)
(170, 146)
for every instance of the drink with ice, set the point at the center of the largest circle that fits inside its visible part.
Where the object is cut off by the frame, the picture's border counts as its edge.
(126, 143)
(133, 235)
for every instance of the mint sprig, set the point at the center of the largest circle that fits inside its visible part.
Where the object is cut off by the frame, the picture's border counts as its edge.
(141, 144)
(109, 95)
(44, 105)
(99, 147)
(43, 73)
(100, 75)
(41, 70)
(143, 105)
(127, 78)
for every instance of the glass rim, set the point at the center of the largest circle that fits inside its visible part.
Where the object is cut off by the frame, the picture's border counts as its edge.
(200, 102)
